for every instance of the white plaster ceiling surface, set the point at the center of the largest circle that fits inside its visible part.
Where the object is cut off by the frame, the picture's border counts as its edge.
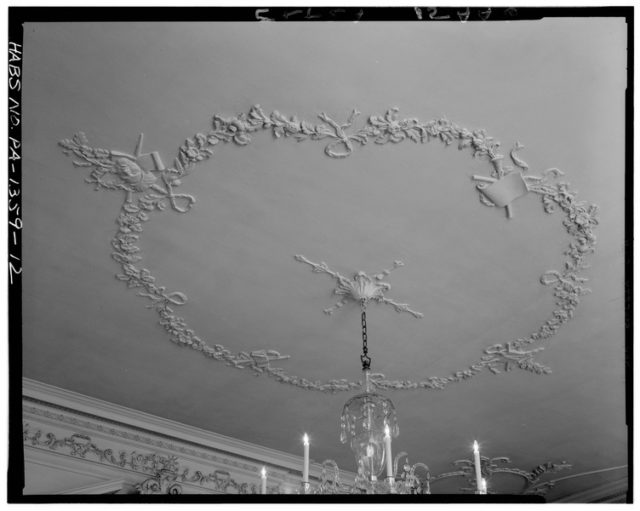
(556, 85)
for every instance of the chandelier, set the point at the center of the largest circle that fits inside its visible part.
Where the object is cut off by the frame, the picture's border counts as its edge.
(368, 423)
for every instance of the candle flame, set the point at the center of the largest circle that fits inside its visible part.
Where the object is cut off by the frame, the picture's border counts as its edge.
(305, 439)
(264, 472)
(386, 430)
(475, 447)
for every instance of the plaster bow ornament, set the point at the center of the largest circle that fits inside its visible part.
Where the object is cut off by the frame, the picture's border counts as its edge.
(133, 173)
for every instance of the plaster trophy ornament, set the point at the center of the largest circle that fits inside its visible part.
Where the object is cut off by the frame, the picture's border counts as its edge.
(148, 188)
(362, 288)
(506, 185)
(133, 173)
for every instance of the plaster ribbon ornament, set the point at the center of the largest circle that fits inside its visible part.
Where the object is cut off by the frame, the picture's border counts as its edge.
(148, 188)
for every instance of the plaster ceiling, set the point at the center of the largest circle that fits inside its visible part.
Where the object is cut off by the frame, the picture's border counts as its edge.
(556, 85)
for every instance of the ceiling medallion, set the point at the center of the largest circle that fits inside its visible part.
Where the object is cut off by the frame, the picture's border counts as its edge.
(148, 188)
(361, 288)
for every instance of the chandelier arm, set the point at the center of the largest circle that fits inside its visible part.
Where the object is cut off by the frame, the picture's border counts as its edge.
(396, 460)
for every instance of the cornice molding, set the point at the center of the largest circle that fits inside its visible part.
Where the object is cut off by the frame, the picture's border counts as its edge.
(95, 489)
(55, 406)
(149, 188)
(162, 474)
(614, 491)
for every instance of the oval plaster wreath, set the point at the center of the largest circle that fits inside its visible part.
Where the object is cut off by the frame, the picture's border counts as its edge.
(149, 186)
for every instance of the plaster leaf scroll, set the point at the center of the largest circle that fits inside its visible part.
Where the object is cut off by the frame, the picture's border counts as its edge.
(168, 482)
(164, 482)
(500, 465)
(362, 288)
(148, 187)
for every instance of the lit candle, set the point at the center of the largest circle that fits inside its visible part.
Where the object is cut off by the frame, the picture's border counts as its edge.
(476, 460)
(263, 473)
(305, 467)
(483, 488)
(387, 451)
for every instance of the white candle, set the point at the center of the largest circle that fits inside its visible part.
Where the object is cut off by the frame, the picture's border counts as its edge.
(370, 460)
(263, 474)
(476, 460)
(305, 467)
(483, 489)
(387, 451)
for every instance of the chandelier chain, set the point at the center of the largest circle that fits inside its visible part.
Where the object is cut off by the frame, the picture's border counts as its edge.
(364, 358)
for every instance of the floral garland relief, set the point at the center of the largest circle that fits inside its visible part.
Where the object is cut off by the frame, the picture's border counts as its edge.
(149, 186)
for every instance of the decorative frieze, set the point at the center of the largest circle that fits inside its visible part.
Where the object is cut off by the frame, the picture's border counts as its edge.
(119, 433)
(167, 473)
